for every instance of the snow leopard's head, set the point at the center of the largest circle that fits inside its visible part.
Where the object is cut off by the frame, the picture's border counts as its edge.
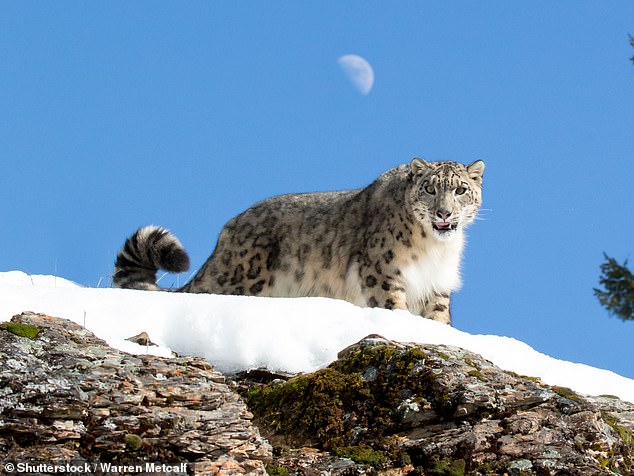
(445, 196)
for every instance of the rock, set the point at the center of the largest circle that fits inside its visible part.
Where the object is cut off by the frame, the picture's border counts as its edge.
(383, 407)
(263, 375)
(67, 397)
(433, 409)
(142, 339)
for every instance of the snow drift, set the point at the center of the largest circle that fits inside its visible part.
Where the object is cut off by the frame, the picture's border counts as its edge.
(295, 334)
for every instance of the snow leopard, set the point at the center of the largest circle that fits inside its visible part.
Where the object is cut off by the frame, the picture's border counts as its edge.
(395, 244)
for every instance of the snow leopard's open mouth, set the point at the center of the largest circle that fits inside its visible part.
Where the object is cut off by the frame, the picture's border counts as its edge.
(444, 226)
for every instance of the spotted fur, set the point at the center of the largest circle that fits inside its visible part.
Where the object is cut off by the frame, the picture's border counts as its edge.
(395, 244)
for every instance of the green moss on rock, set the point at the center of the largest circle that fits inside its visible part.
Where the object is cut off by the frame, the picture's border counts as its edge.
(477, 374)
(314, 407)
(565, 392)
(274, 470)
(330, 407)
(363, 455)
(20, 329)
(133, 442)
(448, 467)
(626, 435)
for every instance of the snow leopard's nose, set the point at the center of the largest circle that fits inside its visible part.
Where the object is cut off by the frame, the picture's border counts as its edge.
(443, 214)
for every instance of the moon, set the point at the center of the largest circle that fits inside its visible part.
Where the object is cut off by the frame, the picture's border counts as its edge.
(358, 71)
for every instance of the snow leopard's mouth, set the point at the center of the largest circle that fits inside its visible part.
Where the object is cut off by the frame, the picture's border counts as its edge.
(444, 226)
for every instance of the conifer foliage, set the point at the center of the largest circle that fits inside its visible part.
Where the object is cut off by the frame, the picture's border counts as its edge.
(618, 293)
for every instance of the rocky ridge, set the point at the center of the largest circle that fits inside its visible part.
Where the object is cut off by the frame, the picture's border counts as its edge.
(441, 410)
(383, 407)
(66, 397)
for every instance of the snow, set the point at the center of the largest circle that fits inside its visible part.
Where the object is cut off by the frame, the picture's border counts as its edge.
(290, 334)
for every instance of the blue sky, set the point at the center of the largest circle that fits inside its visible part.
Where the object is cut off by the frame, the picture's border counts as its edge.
(120, 114)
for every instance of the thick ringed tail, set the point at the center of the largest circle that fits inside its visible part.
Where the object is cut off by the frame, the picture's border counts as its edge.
(149, 249)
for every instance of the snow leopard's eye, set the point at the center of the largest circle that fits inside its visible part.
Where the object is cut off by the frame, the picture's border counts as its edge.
(430, 189)
(461, 190)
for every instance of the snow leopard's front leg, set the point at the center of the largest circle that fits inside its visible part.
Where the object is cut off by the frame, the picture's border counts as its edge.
(437, 308)
(383, 291)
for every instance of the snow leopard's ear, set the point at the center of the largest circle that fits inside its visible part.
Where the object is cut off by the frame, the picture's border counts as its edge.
(476, 170)
(418, 166)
